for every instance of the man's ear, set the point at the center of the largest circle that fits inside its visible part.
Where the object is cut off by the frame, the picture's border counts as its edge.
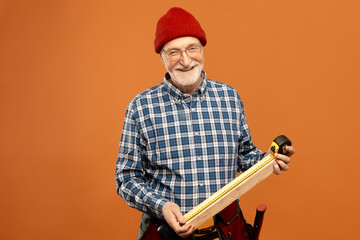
(162, 58)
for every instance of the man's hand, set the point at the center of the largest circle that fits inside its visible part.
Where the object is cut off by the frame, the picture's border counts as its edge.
(176, 220)
(281, 161)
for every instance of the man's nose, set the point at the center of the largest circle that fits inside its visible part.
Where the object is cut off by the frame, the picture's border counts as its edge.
(185, 59)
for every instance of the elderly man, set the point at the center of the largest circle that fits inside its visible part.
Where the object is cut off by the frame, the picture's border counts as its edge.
(186, 137)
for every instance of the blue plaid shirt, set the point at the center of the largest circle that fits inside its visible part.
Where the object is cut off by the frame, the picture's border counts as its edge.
(182, 148)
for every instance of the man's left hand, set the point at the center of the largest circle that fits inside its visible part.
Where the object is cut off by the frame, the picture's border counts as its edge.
(281, 161)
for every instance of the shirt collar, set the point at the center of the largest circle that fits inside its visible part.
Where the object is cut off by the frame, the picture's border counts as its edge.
(177, 93)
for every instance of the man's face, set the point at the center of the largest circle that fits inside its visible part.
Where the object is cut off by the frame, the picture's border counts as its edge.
(185, 71)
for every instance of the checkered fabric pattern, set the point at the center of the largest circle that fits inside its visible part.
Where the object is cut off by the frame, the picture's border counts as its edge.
(182, 148)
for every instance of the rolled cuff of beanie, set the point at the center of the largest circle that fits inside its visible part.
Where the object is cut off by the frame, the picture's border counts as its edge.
(172, 33)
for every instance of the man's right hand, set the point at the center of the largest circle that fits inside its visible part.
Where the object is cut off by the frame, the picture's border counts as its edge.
(175, 219)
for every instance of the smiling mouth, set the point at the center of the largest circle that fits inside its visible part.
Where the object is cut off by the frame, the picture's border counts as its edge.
(186, 70)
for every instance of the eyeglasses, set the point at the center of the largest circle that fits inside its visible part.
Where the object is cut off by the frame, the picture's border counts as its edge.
(175, 54)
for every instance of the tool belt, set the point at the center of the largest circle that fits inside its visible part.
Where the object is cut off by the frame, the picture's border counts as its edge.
(226, 225)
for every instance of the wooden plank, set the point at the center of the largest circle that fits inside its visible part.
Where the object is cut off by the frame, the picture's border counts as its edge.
(230, 192)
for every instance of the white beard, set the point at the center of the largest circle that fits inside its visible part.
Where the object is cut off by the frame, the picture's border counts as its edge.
(187, 78)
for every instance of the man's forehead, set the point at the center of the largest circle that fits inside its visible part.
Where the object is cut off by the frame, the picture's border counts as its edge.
(181, 42)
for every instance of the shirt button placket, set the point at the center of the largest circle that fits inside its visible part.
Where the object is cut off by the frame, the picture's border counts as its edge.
(193, 113)
(201, 187)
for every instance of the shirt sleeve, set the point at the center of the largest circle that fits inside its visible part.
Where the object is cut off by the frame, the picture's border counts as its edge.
(249, 154)
(130, 175)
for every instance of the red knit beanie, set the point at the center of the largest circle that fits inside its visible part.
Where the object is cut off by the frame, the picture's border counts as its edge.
(177, 23)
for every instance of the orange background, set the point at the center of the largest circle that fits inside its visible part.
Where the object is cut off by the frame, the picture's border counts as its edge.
(69, 68)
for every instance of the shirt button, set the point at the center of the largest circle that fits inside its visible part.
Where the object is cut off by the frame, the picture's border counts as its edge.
(199, 158)
(196, 134)
(201, 184)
